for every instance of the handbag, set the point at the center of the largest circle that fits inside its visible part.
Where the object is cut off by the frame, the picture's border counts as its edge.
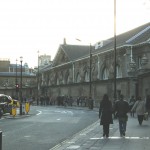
(145, 116)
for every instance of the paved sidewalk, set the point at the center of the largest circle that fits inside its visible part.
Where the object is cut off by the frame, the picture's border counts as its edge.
(137, 137)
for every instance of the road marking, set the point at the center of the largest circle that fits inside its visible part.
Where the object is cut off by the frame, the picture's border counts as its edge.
(40, 112)
(27, 136)
(117, 137)
(83, 134)
(70, 142)
(73, 147)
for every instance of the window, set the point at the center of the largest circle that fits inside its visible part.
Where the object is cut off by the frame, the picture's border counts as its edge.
(78, 78)
(57, 81)
(139, 62)
(105, 74)
(118, 71)
(67, 79)
(86, 77)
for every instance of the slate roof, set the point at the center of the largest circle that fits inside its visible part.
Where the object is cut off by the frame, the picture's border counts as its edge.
(134, 36)
(75, 51)
(11, 74)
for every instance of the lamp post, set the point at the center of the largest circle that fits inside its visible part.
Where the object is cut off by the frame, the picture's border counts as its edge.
(115, 96)
(21, 59)
(90, 77)
(16, 81)
(38, 81)
(90, 80)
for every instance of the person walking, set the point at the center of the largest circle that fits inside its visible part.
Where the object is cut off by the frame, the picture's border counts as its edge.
(131, 104)
(105, 114)
(121, 108)
(139, 108)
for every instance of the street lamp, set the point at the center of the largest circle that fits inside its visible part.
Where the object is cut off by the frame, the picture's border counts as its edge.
(90, 76)
(115, 96)
(21, 59)
(38, 80)
(16, 81)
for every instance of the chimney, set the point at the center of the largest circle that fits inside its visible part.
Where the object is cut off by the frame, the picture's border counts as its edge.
(64, 41)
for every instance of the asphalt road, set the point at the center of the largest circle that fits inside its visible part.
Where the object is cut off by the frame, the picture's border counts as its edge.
(45, 128)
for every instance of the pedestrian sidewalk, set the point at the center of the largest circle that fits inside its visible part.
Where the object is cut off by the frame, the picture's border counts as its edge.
(137, 137)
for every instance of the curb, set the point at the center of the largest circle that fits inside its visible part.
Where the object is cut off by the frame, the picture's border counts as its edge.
(67, 142)
(17, 116)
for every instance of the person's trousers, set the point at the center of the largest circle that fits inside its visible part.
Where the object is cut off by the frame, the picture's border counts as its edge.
(140, 119)
(106, 130)
(122, 126)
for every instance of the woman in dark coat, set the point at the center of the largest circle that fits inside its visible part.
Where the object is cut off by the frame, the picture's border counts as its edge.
(105, 114)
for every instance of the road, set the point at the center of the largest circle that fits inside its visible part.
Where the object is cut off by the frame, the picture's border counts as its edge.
(45, 128)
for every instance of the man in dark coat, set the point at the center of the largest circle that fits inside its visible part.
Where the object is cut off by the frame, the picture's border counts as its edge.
(121, 108)
(105, 114)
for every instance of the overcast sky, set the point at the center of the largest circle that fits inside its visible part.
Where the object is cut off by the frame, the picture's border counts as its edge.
(27, 26)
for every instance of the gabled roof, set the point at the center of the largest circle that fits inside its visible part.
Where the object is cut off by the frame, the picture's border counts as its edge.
(135, 36)
(75, 51)
(72, 52)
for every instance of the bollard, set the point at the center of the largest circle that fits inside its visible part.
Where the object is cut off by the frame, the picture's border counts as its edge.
(0, 140)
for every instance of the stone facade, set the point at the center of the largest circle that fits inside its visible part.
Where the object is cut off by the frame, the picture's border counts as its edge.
(69, 74)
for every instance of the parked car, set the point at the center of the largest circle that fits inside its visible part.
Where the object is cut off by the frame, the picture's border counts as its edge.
(6, 104)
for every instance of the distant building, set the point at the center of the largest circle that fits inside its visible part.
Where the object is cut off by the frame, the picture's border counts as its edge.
(10, 76)
(44, 60)
(4, 65)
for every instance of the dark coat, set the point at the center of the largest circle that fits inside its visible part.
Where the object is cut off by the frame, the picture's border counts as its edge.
(121, 108)
(105, 112)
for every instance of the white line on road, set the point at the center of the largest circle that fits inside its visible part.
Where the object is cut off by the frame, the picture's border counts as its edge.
(40, 112)
(134, 138)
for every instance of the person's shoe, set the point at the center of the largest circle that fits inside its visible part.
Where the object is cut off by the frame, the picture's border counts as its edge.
(123, 134)
(107, 136)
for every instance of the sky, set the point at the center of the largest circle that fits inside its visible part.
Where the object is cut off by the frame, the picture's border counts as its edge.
(29, 26)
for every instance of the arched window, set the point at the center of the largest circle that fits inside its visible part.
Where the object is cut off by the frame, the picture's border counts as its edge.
(78, 78)
(105, 74)
(118, 71)
(67, 79)
(57, 81)
(86, 77)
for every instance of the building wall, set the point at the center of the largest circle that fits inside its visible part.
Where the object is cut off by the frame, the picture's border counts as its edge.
(4, 65)
(62, 79)
(144, 88)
